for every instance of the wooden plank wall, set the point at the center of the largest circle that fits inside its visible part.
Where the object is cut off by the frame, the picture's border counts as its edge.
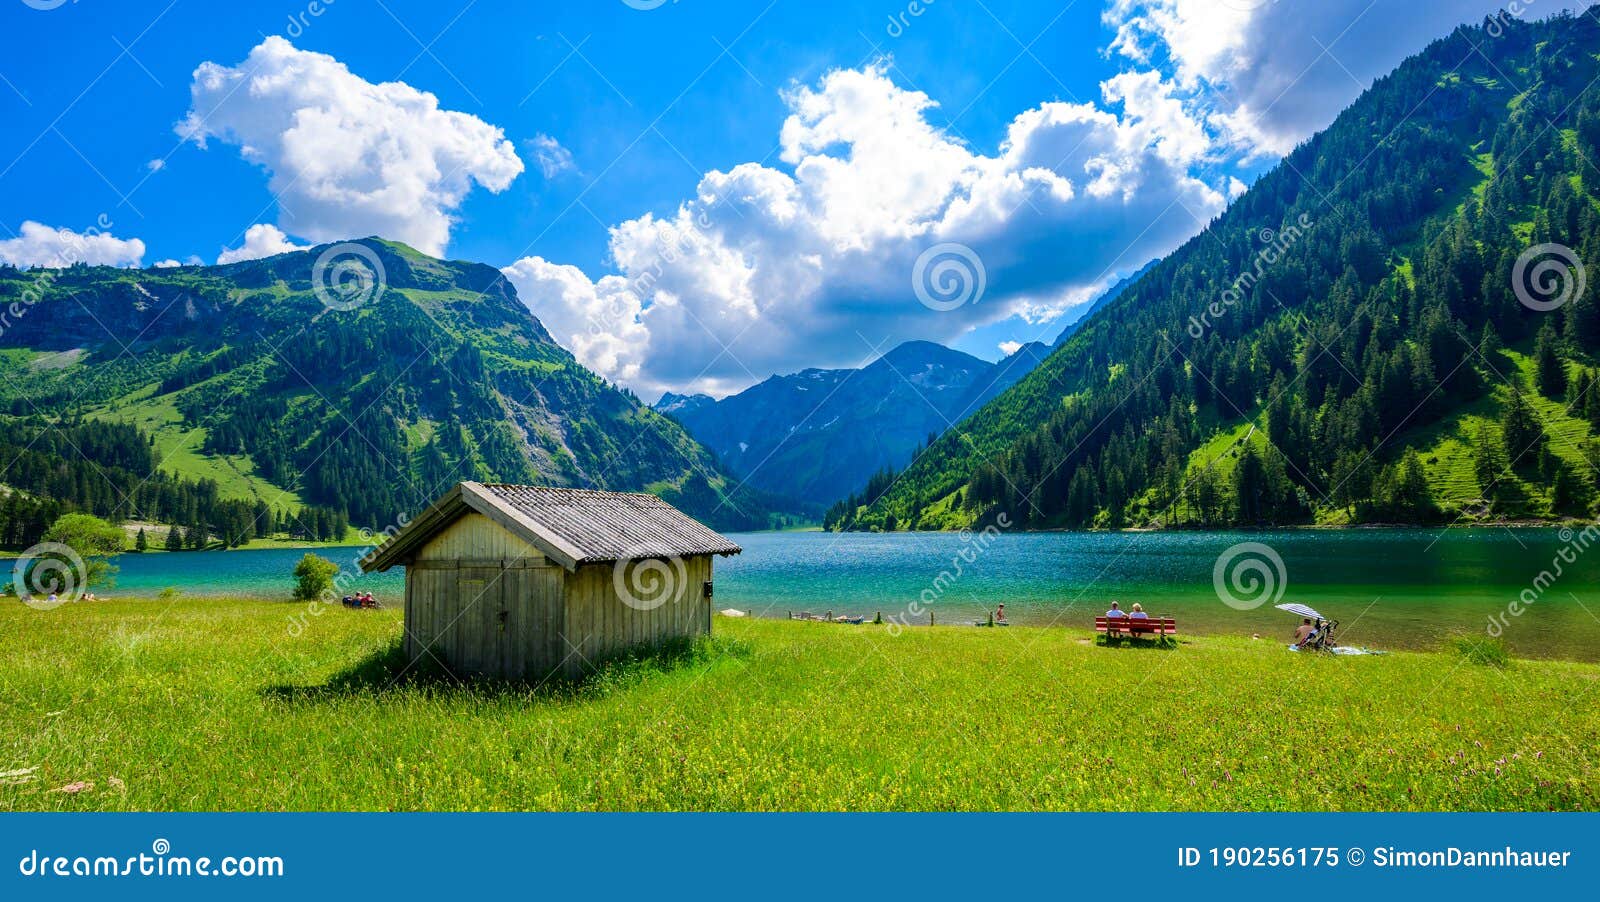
(485, 602)
(601, 625)
(475, 539)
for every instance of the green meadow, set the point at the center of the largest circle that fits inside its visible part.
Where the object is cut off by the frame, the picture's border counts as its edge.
(184, 704)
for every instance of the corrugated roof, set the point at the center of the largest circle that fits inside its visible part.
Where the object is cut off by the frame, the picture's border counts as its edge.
(612, 526)
(571, 526)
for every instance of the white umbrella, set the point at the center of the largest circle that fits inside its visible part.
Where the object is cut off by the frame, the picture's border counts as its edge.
(1302, 610)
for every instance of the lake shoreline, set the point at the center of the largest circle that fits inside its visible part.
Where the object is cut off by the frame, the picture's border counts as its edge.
(1078, 625)
(1179, 530)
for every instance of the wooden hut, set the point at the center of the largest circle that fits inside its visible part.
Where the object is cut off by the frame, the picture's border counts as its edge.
(524, 582)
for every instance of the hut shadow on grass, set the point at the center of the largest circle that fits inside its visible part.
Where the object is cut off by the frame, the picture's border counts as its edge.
(387, 671)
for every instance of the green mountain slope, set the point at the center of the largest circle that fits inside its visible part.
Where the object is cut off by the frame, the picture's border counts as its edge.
(244, 380)
(1345, 343)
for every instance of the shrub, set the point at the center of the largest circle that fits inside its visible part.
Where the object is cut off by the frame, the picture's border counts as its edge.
(313, 576)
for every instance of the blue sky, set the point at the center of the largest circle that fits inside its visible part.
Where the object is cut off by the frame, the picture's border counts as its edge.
(824, 149)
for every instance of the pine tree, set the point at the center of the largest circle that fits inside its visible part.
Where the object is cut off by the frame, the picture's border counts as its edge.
(1250, 488)
(1412, 496)
(174, 539)
(1566, 495)
(140, 541)
(1549, 373)
(1486, 461)
(1522, 435)
(1082, 500)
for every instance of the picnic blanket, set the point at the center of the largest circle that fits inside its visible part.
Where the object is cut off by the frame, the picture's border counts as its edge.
(1346, 650)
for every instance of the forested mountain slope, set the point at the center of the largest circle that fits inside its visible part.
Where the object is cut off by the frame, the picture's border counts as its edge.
(1346, 342)
(246, 385)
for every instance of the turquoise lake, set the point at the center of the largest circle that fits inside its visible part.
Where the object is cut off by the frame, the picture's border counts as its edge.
(1397, 589)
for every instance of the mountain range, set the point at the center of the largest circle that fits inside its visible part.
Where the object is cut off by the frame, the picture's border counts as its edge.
(816, 435)
(819, 434)
(248, 385)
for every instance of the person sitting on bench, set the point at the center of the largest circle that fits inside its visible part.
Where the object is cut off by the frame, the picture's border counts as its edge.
(1304, 632)
(1137, 613)
(1116, 613)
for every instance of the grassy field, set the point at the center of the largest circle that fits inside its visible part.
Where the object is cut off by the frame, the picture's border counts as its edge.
(240, 705)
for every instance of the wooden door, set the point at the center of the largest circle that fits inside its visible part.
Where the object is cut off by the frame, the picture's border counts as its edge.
(475, 636)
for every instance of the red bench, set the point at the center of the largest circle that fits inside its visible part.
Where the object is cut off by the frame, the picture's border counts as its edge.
(1158, 629)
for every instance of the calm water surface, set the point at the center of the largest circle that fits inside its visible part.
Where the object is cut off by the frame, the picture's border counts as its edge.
(1391, 588)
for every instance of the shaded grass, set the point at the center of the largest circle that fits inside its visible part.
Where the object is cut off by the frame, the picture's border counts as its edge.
(225, 705)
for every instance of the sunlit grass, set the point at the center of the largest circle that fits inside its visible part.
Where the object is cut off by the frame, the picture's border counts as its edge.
(194, 704)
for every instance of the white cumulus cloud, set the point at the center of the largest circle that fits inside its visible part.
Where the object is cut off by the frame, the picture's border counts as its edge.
(597, 321)
(37, 244)
(260, 240)
(348, 157)
(1271, 73)
(772, 270)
